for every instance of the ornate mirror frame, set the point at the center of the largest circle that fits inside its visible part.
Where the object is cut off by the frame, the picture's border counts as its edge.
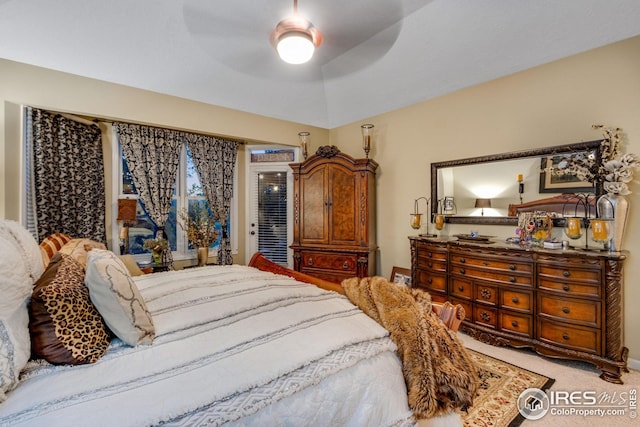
(500, 220)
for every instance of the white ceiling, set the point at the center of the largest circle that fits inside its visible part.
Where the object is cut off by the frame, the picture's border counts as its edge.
(377, 55)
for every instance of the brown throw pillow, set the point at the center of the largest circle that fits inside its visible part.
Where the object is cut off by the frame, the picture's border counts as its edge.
(51, 245)
(65, 327)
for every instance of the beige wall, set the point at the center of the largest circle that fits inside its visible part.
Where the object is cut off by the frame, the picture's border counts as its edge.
(549, 105)
(38, 87)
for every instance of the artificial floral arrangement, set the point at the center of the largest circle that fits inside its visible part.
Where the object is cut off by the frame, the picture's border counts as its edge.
(200, 225)
(157, 248)
(156, 245)
(613, 171)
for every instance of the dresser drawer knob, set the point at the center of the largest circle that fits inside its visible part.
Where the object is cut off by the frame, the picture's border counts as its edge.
(462, 260)
(565, 287)
(565, 310)
(430, 255)
(486, 293)
(515, 300)
(485, 316)
(430, 265)
(565, 336)
(566, 273)
(460, 288)
(345, 265)
(514, 324)
(430, 281)
(512, 279)
(463, 271)
(512, 267)
(310, 261)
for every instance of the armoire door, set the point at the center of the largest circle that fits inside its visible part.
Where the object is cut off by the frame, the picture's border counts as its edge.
(314, 201)
(343, 206)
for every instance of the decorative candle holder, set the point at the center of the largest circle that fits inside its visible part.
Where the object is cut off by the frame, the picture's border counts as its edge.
(416, 217)
(304, 142)
(367, 133)
(584, 219)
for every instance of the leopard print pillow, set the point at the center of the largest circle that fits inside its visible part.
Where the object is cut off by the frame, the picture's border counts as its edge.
(64, 324)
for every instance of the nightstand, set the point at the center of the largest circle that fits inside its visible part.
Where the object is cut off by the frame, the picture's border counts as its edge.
(148, 268)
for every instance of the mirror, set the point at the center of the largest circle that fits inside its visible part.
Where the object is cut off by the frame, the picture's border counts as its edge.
(461, 187)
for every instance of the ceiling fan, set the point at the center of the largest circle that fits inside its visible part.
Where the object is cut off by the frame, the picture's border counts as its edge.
(239, 35)
(295, 38)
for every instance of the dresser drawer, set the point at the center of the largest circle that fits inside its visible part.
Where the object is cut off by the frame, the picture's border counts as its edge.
(461, 288)
(426, 252)
(569, 274)
(492, 264)
(486, 294)
(497, 277)
(486, 316)
(438, 297)
(434, 265)
(468, 308)
(574, 289)
(341, 263)
(516, 300)
(573, 337)
(517, 323)
(578, 311)
(432, 281)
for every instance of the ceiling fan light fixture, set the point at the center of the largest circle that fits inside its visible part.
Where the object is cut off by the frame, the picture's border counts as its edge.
(295, 47)
(295, 38)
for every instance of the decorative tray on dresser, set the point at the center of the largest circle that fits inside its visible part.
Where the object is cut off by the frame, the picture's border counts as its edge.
(562, 303)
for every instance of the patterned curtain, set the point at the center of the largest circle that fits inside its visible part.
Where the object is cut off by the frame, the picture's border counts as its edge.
(153, 157)
(68, 177)
(215, 159)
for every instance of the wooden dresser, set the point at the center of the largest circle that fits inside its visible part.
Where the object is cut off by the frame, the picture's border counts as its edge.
(334, 215)
(561, 303)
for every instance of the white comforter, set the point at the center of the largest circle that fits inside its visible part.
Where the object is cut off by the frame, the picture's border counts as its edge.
(233, 345)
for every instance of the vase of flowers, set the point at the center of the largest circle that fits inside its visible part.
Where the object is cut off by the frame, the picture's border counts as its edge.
(612, 172)
(157, 248)
(200, 225)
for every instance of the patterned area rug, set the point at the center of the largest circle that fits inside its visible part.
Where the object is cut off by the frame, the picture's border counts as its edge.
(500, 385)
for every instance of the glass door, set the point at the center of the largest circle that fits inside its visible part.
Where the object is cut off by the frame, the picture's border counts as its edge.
(270, 192)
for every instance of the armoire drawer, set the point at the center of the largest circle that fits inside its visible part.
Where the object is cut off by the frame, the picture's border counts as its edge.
(329, 261)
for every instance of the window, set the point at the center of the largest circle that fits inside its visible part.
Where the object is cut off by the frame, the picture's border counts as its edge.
(187, 193)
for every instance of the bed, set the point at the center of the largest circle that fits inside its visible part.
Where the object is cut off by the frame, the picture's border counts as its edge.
(233, 345)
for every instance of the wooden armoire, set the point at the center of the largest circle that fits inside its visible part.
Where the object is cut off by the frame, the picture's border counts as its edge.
(334, 206)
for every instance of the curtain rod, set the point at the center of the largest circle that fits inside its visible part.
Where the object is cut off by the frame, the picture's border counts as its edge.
(93, 120)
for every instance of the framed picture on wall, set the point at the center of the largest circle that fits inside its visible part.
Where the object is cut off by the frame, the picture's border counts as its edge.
(566, 183)
(401, 276)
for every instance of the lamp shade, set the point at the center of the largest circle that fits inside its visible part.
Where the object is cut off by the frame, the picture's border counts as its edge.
(483, 203)
(127, 209)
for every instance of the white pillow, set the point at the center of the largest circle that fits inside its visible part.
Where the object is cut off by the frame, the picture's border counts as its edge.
(20, 267)
(117, 298)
